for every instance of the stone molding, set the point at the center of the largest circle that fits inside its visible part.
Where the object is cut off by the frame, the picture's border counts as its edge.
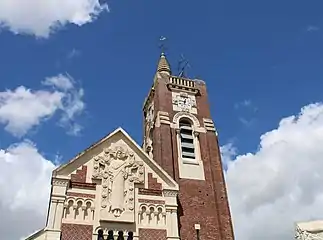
(81, 195)
(209, 125)
(188, 115)
(170, 193)
(152, 201)
(81, 185)
(162, 118)
(60, 182)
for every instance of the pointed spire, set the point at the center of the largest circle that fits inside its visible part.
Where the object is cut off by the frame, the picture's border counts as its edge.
(163, 65)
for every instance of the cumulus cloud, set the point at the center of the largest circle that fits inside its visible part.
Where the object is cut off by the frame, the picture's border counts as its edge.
(281, 183)
(40, 18)
(24, 195)
(22, 109)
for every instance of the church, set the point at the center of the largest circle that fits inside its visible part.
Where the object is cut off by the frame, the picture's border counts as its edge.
(172, 187)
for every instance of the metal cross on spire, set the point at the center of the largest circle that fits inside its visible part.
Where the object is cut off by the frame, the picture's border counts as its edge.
(183, 65)
(162, 44)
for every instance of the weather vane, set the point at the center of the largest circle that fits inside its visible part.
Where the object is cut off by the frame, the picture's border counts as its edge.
(183, 65)
(162, 45)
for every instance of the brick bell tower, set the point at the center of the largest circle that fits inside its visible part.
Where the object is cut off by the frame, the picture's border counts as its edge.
(180, 136)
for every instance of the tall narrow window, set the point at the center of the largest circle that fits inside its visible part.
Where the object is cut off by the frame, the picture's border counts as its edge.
(187, 139)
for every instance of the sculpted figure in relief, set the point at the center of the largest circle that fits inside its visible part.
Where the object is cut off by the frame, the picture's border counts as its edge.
(118, 170)
(148, 144)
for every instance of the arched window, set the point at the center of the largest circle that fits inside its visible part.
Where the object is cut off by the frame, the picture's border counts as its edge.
(186, 139)
(100, 234)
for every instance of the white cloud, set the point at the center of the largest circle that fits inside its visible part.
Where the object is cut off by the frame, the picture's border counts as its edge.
(61, 82)
(73, 53)
(22, 109)
(312, 28)
(24, 190)
(40, 18)
(228, 151)
(280, 183)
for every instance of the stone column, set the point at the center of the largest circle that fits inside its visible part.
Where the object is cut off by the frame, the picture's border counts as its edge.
(59, 214)
(51, 214)
(57, 199)
(171, 214)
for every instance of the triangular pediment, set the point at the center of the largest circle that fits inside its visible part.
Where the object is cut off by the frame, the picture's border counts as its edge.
(117, 138)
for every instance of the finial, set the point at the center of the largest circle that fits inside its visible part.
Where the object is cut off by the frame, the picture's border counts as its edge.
(162, 45)
(163, 65)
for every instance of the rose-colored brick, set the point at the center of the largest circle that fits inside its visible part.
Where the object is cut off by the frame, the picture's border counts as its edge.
(76, 232)
(152, 234)
(80, 175)
(82, 195)
(152, 182)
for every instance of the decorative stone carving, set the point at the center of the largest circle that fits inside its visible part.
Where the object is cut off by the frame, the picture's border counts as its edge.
(148, 142)
(170, 193)
(306, 235)
(60, 182)
(119, 171)
(183, 102)
(150, 113)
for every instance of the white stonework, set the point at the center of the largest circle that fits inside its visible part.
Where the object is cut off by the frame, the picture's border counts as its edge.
(309, 230)
(190, 168)
(118, 167)
(149, 126)
(185, 102)
(119, 171)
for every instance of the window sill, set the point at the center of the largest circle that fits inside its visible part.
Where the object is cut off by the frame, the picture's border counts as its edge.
(190, 161)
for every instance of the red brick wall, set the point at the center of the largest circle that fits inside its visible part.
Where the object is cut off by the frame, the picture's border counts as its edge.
(162, 143)
(80, 175)
(152, 234)
(200, 202)
(82, 195)
(152, 182)
(76, 232)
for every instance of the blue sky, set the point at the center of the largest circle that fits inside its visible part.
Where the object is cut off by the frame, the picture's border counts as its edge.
(262, 61)
(265, 53)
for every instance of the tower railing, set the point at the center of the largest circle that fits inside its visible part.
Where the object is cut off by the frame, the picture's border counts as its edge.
(182, 82)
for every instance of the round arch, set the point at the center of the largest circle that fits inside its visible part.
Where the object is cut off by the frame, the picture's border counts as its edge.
(187, 115)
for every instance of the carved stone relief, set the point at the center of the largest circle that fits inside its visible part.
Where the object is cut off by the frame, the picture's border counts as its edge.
(148, 143)
(305, 235)
(119, 171)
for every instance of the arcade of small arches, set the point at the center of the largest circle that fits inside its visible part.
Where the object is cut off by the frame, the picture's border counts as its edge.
(78, 209)
(152, 215)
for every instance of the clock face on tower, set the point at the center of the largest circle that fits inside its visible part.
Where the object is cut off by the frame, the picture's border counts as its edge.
(183, 103)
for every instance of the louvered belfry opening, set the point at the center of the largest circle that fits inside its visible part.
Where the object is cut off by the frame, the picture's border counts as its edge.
(121, 235)
(187, 139)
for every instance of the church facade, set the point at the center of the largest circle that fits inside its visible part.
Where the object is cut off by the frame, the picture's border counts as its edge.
(170, 188)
